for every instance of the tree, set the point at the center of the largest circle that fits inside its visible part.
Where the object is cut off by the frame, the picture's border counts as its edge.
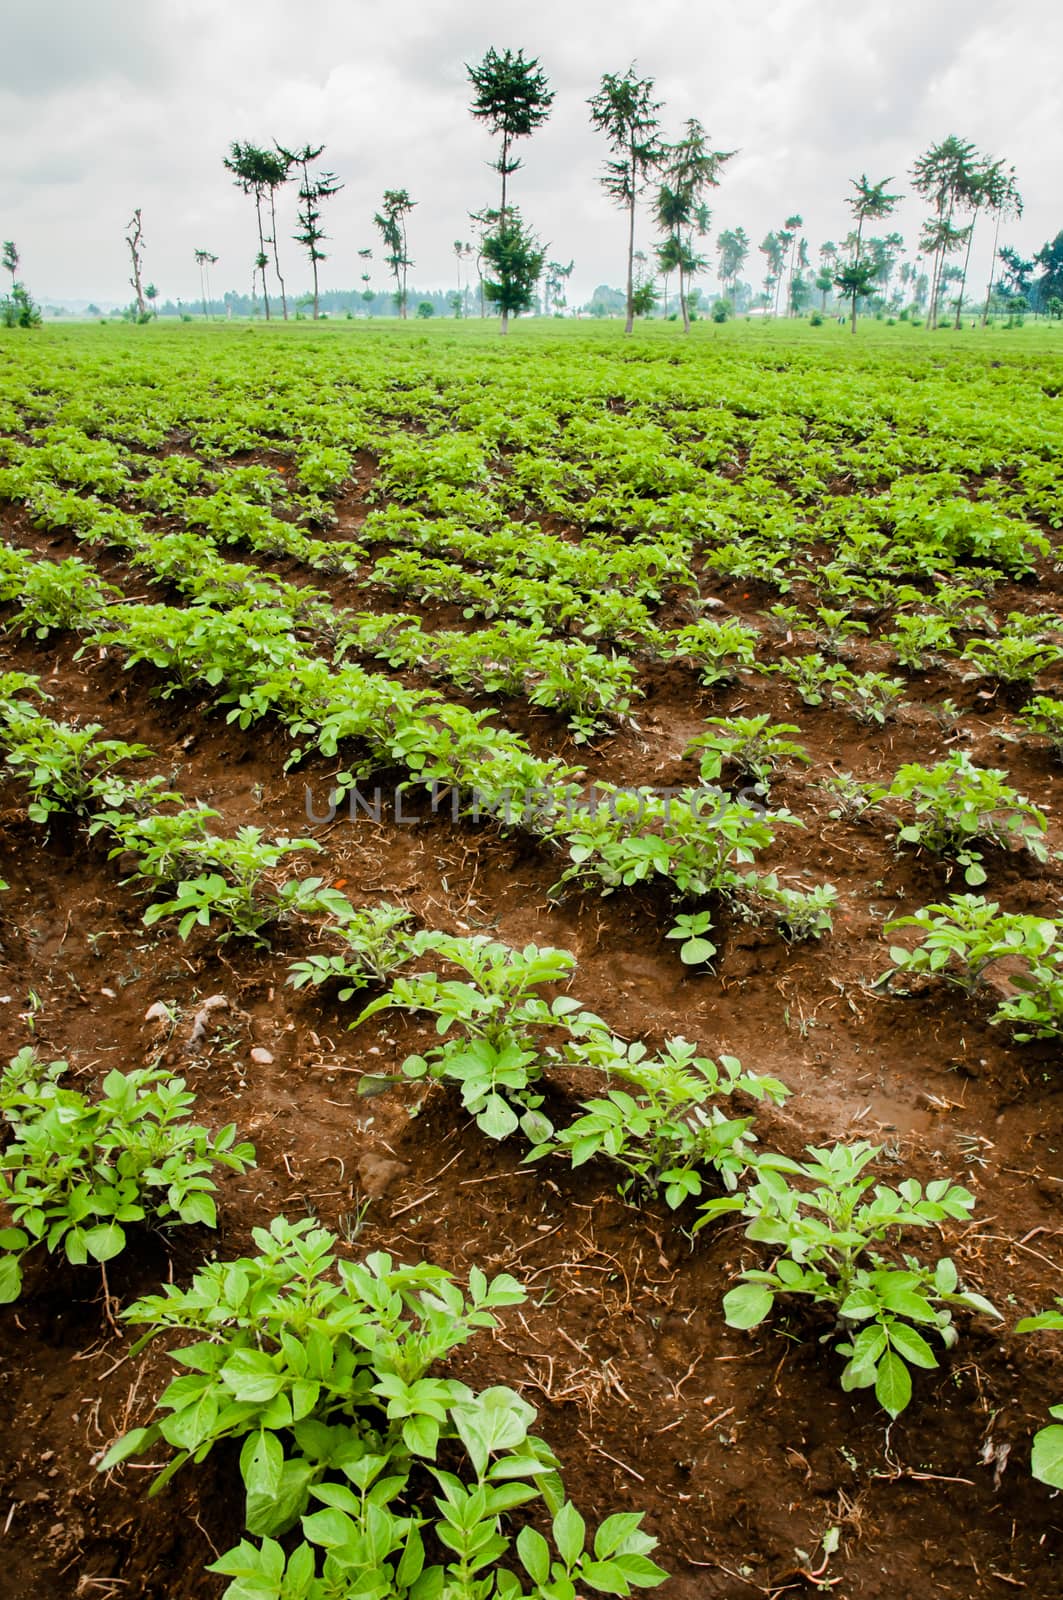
(824, 283)
(425, 310)
(1004, 200)
(135, 240)
(626, 112)
(884, 255)
(312, 190)
(512, 97)
(800, 293)
(391, 220)
(17, 310)
(276, 167)
(944, 174)
(987, 184)
(645, 296)
(793, 225)
(459, 256)
(870, 202)
(940, 238)
(732, 247)
(366, 256)
(204, 261)
(668, 253)
(690, 169)
(514, 259)
(11, 260)
(1050, 259)
(252, 169)
(855, 282)
(773, 248)
(152, 294)
(554, 283)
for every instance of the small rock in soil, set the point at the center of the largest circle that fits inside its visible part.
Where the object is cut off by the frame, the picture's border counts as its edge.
(377, 1174)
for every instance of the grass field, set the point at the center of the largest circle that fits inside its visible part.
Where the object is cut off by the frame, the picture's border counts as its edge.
(536, 791)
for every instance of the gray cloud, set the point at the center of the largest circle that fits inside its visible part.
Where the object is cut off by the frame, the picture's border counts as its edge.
(121, 103)
(49, 47)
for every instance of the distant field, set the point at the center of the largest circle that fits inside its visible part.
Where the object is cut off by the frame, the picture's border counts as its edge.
(617, 694)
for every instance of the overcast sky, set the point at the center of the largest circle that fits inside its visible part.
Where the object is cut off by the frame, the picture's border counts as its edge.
(110, 104)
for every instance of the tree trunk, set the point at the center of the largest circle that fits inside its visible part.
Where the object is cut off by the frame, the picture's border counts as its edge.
(505, 163)
(992, 270)
(261, 251)
(683, 301)
(276, 256)
(313, 263)
(134, 250)
(963, 280)
(630, 322)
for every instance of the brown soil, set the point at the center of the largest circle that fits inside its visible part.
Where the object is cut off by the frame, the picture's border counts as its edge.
(743, 1449)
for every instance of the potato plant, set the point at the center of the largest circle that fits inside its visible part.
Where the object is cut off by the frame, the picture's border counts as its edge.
(75, 1173)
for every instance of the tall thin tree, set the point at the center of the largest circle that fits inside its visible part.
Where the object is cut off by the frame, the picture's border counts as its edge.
(512, 97)
(251, 168)
(794, 225)
(732, 247)
(690, 169)
(944, 174)
(626, 112)
(870, 202)
(204, 261)
(1005, 201)
(391, 220)
(135, 240)
(313, 188)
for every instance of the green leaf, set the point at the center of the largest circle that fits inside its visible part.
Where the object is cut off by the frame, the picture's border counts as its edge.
(250, 1375)
(130, 1444)
(1046, 1459)
(570, 1532)
(534, 1552)
(274, 1512)
(695, 951)
(893, 1384)
(199, 1208)
(911, 1345)
(497, 1119)
(10, 1280)
(748, 1305)
(262, 1462)
(615, 1530)
(420, 1435)
(104, 1242)
(605, 1576)
(329, 1527)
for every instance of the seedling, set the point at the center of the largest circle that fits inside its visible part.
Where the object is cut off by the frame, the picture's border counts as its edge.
(376, 943)
(322, 1368)
(828, 1226)
(754, 747)
(502, 1025)
(76, 1173)
(957, 806)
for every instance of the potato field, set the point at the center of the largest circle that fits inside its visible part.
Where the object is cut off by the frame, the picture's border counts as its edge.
(531, 962)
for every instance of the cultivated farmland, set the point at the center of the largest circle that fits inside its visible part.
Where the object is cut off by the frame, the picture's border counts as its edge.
(542, 863)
